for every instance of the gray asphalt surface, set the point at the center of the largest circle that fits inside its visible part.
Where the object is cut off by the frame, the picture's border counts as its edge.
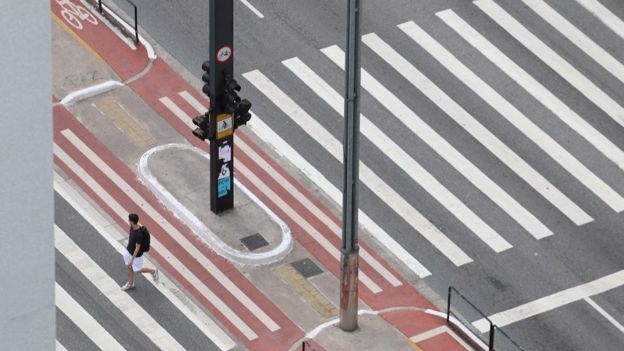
(495, 282)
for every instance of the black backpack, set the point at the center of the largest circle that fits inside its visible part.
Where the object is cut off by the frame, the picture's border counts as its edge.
(146, 240)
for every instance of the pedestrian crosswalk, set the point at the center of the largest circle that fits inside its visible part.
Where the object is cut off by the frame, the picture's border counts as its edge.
(225, 306)
(578, 209)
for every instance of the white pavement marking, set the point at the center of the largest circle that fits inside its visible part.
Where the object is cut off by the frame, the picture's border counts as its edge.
(437, 143)
(553, 60)
(366, 280)
(60, 347)
(437, 331)
(84, 321)
(191, 100)
(188, 246)
(533, 87)
(284, 149)
(113, 235)
(179, 266)
(604, 15)
(368, 177)
(213, 240)
(605, 314)
(552, 301)
(110, 290)
(578, 38)
(527, 127)
(404, 161)
(252, 8)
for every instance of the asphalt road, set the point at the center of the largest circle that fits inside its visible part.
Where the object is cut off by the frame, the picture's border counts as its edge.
(574, 254)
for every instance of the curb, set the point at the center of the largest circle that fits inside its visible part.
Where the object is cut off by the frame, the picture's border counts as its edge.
(200, 229)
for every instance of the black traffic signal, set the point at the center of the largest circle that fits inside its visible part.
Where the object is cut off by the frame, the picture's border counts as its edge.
(230, 96)
(242, 114)
(203, 126)
(206, 78)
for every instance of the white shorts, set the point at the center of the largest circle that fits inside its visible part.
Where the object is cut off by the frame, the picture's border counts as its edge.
(138, 261)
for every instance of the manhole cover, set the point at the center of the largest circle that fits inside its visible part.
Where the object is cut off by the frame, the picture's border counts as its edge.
(254, 242)
(306, 267)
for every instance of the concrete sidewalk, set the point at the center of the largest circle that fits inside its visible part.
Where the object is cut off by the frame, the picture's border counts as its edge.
(276, 257)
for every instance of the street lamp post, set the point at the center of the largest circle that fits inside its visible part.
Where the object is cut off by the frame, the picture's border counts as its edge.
(349, 250)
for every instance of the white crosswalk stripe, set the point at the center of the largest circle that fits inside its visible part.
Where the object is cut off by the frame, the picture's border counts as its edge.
(514, 209)
(533, 87)
(110, 290)
(578, 38)
(83, 320)
(527, 127)
(372, 180)
(603, 14)
(418, 173)
(553, 60)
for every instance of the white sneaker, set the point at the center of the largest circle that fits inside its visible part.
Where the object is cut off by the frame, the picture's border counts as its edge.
(155, 274)
(127, 286)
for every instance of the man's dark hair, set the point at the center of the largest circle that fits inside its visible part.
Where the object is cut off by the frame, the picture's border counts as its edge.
(134, 218)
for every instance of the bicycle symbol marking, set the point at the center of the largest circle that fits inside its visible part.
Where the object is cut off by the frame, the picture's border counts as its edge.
(224, 54)
(75, 14)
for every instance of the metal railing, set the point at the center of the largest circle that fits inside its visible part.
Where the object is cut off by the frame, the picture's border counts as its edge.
(115, 18)
(305, 343)
(471, 312)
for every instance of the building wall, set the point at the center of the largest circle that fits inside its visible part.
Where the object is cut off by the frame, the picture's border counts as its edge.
(27, 310)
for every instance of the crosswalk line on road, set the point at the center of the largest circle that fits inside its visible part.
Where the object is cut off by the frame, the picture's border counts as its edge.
(197, 283)
(410, 166)
(604, 15)
(368, 177)
(553, 60)
(533, 87)
(577, 37)
(220, 276)
(524, 125)
(60, 347)
(110, 290)
(337, 230)
(437, 143)
(187, 307)
(284, 149)
(183, 116)
(84, 321)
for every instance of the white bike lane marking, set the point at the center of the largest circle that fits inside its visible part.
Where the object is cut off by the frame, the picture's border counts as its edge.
(75, 14)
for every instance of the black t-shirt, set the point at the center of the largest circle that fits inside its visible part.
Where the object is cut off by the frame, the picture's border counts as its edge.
(136, 237)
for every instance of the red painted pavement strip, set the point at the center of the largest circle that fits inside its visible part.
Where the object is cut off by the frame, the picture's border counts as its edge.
(124, 61)
(411, 322)
(162, 81)
(288, 332)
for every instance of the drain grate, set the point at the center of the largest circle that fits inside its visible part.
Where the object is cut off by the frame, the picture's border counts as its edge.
(254, 242)
(306, 267)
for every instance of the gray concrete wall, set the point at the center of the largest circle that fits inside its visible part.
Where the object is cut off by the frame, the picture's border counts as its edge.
(27, 310)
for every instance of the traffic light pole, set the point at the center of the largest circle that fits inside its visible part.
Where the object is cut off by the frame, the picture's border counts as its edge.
(221, 122)
(349, 249)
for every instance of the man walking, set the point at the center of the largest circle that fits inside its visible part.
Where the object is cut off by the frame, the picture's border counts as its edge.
(133, 255)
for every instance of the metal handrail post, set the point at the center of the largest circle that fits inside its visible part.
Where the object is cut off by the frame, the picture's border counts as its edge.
(136, 25)
(448, 307)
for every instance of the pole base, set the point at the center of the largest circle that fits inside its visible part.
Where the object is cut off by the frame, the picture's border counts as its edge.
(349, 290)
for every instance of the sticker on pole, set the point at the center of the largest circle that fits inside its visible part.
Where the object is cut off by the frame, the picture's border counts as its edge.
(224, 125)
(224, 54)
